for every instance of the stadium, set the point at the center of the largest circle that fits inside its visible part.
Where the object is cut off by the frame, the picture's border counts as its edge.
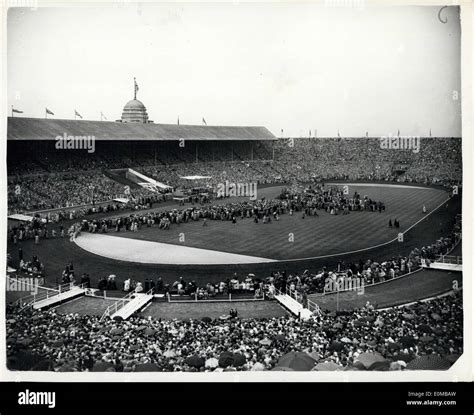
(137, 246)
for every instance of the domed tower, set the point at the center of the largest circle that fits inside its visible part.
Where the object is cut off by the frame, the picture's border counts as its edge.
(134, 110)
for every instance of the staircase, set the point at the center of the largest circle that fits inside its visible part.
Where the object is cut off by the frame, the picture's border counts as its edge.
(289, 300)
(71, 292)
(127, 305)
(47, 297)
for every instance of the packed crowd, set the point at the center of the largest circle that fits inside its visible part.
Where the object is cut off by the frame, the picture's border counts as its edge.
(297, 160)
(55, 191)
(211, 174)
(437, 162)
(331, 199)
(235, 285)
(398, 337)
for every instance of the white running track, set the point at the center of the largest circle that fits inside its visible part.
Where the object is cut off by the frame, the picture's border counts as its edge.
(148, 252)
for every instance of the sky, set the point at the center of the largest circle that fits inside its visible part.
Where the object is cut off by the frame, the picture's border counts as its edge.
(296, 67)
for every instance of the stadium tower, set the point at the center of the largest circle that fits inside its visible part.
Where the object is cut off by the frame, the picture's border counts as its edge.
(134, 110)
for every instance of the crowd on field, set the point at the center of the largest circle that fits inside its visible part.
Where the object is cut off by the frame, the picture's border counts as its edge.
(320, 197)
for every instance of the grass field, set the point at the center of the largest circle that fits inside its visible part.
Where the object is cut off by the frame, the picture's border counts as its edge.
(181, 310)
(200, 309)
(414, 287)
(293, 237)
(86, 305)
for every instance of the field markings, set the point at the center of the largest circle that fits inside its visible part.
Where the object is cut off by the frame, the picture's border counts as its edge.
(371, 247)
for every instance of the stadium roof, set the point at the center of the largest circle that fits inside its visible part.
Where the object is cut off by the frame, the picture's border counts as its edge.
(48, 129)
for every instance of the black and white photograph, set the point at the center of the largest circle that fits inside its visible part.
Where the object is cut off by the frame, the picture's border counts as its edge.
(267, 189)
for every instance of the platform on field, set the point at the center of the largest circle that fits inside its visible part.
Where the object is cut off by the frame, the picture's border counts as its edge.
(294, 306)
(136, 303)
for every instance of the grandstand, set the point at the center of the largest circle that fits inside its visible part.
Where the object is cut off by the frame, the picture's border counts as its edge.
(138, 144)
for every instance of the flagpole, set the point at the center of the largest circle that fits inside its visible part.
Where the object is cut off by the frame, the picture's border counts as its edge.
(12, 111)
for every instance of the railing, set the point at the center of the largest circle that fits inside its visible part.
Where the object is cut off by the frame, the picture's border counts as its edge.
(310, 305)
(416, 268)
(24, 281)
(314, 308)
(150, 291)
(293, 293)
(113, 308)
(213, 299)
(30, 300)
(47, 293)
(449, 259)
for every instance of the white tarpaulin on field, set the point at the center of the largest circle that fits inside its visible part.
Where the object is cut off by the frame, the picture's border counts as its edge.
(149, 252)
(121, 200)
